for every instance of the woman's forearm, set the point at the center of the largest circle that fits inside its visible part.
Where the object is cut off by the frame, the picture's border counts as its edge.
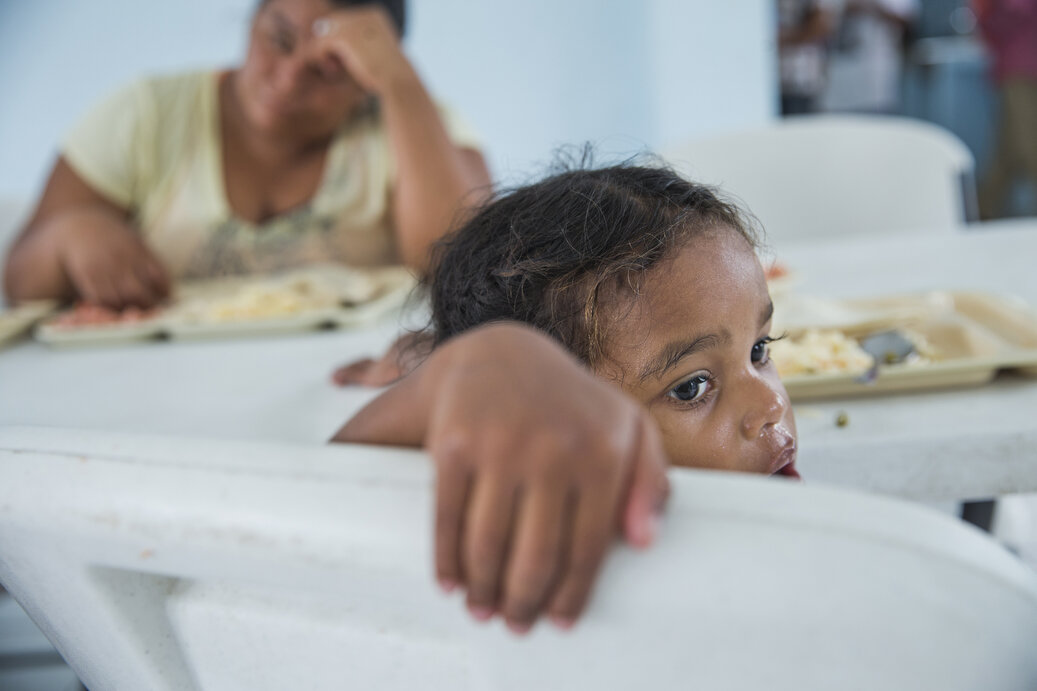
(33, 269)
(435, 180)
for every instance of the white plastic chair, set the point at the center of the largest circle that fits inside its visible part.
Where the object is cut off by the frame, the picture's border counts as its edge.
(825, 176)
(161, 563)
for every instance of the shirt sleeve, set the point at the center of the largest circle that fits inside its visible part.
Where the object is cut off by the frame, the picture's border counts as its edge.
(108, 147)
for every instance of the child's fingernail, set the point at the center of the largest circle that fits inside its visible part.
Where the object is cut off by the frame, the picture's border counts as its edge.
(480, 612)
(447, 585)
(519, 627)
(646, 530)
(563, 623)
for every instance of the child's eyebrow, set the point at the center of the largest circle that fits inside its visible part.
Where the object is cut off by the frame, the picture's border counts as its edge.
(678, 350)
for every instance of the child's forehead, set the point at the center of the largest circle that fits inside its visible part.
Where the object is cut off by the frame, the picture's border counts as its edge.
(708, 261)
(713, 279)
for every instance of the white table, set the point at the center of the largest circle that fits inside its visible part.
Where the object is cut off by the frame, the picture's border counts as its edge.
(951, 444)
(958, 444)
(277, 388)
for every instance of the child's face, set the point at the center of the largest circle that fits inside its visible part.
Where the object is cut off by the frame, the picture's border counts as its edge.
(692, 347)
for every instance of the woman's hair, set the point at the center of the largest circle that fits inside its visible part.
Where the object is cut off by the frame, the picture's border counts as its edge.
(549, 254)
(397, 9)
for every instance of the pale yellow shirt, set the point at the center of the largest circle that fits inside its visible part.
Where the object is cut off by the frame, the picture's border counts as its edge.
(154, 148)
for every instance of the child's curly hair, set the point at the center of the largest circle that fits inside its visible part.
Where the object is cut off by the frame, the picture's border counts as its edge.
(549, 253)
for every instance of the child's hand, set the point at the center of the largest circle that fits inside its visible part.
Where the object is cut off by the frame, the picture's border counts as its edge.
(405, 354)
(537, 462)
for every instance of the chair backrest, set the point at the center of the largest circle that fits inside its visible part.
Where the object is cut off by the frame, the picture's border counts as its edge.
(161, 563)
(823, 176)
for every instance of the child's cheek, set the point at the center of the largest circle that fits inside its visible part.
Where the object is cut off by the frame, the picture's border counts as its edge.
(691, 442)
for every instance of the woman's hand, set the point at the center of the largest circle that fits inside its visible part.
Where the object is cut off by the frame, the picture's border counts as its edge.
(538, 462)
(364, 42)
(106, 262)
(80, 245)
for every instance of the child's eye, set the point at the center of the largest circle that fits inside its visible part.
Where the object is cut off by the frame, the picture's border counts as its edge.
(760, 351)
(690, 390)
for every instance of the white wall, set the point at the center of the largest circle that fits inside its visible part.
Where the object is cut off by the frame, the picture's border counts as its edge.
(629, 75)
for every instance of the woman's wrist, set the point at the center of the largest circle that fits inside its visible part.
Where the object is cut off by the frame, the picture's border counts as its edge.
(400, 86)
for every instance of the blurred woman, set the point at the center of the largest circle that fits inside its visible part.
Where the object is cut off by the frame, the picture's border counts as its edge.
(324, 145)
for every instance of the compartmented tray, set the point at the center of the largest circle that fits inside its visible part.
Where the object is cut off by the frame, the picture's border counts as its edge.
(969, 337)
(16, 321)
(296, 301)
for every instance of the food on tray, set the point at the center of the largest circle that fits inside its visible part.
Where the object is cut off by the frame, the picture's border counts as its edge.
(292, 294)
(87, 314)
(829, 351)
(824, 351)
(306, 298)
(18, 320)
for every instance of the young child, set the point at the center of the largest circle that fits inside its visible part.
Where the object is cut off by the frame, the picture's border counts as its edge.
(653, 284)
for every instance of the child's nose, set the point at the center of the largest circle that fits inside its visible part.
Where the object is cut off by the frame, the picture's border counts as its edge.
(768, 405)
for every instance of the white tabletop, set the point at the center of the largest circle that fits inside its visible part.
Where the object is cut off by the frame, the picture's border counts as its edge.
(957, 444)
(275, 388)
(953, 444)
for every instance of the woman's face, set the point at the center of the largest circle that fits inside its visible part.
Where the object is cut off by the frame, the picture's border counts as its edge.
(286, 86)
(692, 347)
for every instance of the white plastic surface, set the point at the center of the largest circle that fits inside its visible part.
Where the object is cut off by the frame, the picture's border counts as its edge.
(158, 563)
(277, 389)
(814, 177)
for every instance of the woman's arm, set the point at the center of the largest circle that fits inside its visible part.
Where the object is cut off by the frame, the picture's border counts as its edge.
(435, 179)
(537, 463)
(78, 244)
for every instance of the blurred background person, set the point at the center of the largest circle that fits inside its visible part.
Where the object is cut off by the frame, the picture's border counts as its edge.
(324, 145)
(805, 28)
(1009, 29)
(867, 56)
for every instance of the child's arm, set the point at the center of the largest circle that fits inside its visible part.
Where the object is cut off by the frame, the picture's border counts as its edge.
(535, 456)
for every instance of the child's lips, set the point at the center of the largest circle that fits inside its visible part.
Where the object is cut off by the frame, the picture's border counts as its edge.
(785, 462)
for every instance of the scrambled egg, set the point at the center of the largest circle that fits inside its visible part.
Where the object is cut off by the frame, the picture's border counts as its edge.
(819, 352)
(270, 299)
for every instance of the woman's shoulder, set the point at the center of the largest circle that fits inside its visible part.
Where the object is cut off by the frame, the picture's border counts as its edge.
(178, 91)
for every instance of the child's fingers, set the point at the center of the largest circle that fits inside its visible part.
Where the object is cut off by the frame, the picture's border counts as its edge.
(592, 532)
(485, 535)
(535, 557)
(453, 483)
(353, 373)
(649, 487)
